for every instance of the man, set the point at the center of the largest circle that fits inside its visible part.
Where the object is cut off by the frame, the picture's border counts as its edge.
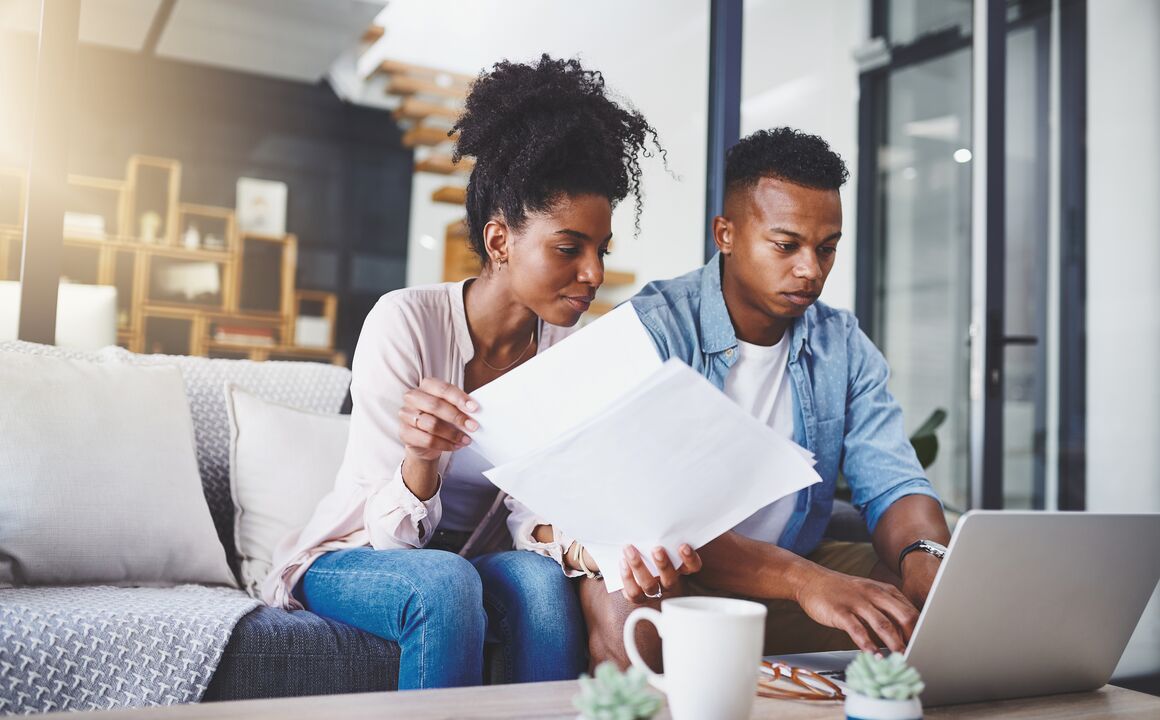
(749, 321)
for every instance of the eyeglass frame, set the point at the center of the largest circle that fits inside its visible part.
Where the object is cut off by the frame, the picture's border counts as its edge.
(818, 687)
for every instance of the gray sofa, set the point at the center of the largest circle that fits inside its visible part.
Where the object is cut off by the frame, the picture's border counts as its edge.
(271, 652)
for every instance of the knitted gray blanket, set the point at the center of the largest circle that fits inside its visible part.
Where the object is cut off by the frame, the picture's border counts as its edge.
(95, 648)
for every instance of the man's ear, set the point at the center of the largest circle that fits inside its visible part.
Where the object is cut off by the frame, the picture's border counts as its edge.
(723, 234)
(497, 241)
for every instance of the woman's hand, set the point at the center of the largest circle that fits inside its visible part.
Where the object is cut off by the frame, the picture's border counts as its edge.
(434, 419)
(641, 586)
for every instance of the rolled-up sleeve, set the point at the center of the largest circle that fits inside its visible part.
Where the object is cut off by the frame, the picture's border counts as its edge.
(396, 518)
(878, 460)
(521, 524)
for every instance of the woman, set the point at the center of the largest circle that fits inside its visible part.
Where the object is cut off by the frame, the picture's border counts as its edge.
(553, 156)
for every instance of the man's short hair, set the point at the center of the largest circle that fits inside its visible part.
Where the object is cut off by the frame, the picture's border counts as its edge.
(785, 154)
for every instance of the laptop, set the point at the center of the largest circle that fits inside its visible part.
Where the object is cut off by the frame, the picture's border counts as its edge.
(1027, 604)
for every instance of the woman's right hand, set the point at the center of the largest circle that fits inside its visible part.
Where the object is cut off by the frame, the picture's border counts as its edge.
(641, 586)
(434, 419)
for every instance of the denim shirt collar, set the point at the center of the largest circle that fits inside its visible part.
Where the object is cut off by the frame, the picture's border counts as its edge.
(717, 333)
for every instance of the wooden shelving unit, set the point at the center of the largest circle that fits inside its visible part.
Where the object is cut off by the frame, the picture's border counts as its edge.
(235, 297)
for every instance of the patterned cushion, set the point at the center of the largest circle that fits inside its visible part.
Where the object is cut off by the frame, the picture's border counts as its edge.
(309, 386)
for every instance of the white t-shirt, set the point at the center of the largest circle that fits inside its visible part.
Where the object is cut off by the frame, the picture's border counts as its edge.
(760, 384)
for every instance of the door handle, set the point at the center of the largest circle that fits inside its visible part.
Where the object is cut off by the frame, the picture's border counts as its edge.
(1019, 340)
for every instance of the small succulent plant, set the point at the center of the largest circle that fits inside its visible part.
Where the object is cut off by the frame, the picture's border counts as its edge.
(613, 695)
(889, 678)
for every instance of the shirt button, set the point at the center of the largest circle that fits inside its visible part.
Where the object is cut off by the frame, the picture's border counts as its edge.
(729, 352)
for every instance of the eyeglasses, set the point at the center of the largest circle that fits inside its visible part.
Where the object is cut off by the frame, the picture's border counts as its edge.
(809, 685)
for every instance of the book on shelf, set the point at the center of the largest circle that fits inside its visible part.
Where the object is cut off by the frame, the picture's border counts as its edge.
(242, 335)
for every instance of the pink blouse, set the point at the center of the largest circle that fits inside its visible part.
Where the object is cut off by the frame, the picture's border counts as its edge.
(410, 334)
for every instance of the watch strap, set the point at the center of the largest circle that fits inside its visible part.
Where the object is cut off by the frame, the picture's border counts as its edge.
(927, 546)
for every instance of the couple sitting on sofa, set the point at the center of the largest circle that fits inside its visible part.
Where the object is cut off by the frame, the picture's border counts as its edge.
(405, 545)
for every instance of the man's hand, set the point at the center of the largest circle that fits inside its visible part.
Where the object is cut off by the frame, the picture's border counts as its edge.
(918, 571)
(873, 614)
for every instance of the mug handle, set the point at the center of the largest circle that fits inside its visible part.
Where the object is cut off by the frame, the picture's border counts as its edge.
(654, 617)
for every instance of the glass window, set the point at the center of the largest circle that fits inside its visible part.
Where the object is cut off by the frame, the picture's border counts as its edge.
(908, 20)
(18, 43)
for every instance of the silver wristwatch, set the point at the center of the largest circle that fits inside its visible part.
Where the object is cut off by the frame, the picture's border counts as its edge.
(927, 546)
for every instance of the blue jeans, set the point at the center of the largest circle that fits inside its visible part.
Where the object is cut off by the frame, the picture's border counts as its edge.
(440, 607)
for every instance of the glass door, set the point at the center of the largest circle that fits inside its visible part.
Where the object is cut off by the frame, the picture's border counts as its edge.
(915, 235)
(922, 294)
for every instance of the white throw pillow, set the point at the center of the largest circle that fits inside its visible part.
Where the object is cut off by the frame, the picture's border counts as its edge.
(98, 477)
(283, 461)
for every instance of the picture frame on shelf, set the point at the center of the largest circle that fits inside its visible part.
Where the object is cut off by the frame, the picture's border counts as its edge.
(261, 206)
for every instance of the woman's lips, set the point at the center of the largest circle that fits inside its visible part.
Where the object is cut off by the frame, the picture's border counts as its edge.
(800, 299)
(579, 303)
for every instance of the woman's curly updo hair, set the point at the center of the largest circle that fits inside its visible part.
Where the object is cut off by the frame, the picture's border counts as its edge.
(541, 130)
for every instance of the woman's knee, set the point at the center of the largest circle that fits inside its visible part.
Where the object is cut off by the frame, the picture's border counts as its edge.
(450, 578)
(408, 584)
(531, 583)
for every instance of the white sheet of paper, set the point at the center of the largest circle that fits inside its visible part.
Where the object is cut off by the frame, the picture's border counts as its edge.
(673, 461)
(562, 387)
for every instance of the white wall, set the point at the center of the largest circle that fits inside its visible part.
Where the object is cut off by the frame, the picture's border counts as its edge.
(1123, 316)
(798, 70)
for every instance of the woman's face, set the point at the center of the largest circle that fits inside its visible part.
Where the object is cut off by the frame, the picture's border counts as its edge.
(557, 260)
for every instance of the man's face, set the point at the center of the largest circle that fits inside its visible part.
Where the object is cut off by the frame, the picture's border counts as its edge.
(779, 242)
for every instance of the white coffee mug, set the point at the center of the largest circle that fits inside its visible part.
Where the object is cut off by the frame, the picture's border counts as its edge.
(712, 651)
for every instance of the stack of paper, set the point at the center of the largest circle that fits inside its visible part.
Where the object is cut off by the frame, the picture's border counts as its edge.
(602, 440)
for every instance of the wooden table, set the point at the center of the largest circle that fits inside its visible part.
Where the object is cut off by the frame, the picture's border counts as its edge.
(554, 700)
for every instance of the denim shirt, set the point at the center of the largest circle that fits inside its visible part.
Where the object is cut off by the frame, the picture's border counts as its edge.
(843, 412)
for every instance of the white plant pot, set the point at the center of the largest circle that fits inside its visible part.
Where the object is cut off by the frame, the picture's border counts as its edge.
(860, 707)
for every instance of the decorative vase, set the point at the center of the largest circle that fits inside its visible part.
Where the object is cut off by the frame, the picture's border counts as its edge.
(150, 224)
(192, 238)
(860, 707)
